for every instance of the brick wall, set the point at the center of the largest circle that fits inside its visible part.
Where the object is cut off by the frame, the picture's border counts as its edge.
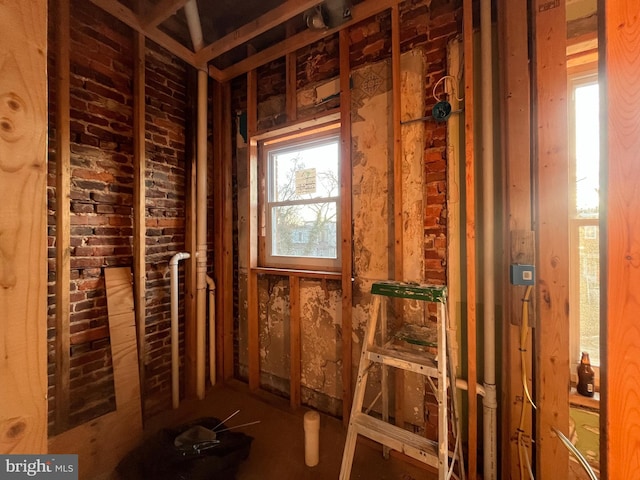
(102, 197)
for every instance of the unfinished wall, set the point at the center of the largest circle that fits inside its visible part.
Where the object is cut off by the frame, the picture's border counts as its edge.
(102, 198)
(426, 27)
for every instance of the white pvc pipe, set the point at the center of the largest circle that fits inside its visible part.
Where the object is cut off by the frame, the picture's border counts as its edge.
(463, 384)
(193, 22)
(175, 337)
(490, 403)
(195, 30)
(311, 438)
(201, 233)
(212, 329)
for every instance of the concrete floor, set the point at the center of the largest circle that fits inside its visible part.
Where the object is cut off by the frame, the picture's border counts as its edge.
(277, 451)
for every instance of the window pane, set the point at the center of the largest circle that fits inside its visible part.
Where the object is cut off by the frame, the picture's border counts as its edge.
(306, 172)
(589, 277)
(587, 150)
(304, 230)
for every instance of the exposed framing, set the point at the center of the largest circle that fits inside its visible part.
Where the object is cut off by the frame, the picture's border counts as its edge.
(552, 243)
(620, 236)
(515, 101)
(470, 229)
(63, 218)
(139, 200)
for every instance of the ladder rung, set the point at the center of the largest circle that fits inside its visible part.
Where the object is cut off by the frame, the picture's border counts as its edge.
(418, 363)
(396, 438)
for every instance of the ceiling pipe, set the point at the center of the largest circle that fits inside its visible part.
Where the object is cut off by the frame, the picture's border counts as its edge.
(195, 30)
(201, 232)
(490, 402)
(193, 22)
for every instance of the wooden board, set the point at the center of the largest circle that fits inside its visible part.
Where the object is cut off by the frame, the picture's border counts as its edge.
(515, 102)
(470, 234)
(103, 442)
(63, 221)
(551, 169)
(620, 330)
(139, 200)
(346, 232)
(23, 226)
(252, 230)
(295, 341)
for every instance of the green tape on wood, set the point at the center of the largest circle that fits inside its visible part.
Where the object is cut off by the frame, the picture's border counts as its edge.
(416, 291)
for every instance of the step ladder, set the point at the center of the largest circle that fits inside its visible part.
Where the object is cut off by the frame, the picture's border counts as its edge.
(398, 353)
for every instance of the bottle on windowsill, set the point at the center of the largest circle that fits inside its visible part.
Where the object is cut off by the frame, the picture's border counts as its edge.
(585, 377)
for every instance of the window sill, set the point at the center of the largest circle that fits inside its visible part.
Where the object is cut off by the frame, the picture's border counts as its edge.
(580, 401)
(291, 272)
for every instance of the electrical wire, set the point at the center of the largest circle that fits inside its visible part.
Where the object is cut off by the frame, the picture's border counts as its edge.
(524, 332)
(454, 87)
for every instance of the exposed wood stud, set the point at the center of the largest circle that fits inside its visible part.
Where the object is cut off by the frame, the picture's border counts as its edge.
(139, 195)
(223, 239)
(295, 341)
(620, 238)
(346, 233)
(253, 334)
(470, 227)
(63, 220)
(552, 215)
(190, 244)
(23, 227)
(516, 148)
(398, 212)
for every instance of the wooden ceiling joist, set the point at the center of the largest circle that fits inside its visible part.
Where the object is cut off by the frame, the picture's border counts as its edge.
(160, 12)
(360, 12)
(262, 24)
(128, 17)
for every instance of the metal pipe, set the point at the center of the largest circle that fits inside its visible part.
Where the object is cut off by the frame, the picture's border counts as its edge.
(175, 338)
(490, 403)
(212, 329)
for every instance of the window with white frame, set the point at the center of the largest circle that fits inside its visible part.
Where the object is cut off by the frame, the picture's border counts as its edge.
(301, 199)
(584, 285)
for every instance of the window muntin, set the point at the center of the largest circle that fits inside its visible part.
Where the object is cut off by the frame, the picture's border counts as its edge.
(302, 203)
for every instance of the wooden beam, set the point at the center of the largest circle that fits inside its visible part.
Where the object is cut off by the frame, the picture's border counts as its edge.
(190, 243)
(346, 233)
(552, 216)
(398, 211)
(128, 17)
(23, 227)
(291, 96)
(470, 228)
(360, 12)
(245, 33)
(620, 237)
(252, 232)
(139, 199)
(161, 11)
(295, 342)
(516, 125)
(223, 238)
(63, 217)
